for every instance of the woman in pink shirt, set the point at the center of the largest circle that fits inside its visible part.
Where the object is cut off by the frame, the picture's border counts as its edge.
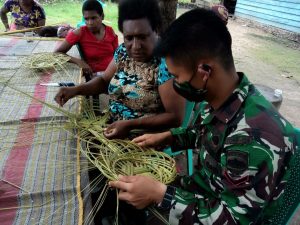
(96, 40)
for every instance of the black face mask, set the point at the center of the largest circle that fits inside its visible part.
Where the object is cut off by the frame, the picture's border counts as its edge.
(190, 93)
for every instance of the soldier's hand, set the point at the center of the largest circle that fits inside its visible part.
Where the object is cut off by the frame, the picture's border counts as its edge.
(64, 94)
(152, 140)
(139, 191)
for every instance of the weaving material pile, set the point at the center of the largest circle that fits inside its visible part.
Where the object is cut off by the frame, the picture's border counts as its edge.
(110, 157)
(40, 164)
(118, 157)
(45, 60)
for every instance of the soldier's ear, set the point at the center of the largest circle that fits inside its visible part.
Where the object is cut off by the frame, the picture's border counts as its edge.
(206, 67)
(204, 70)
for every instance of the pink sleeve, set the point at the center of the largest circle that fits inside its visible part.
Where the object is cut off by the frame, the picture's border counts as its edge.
(72, 38)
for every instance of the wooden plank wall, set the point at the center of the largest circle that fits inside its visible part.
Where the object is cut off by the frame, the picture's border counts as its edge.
(284, 14)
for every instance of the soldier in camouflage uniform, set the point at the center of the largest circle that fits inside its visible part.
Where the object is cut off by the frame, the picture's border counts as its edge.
(244, 144)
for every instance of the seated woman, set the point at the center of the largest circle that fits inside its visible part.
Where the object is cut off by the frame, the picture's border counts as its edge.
(139, 86)
(96, 40)
(82, 22)
(26, 14)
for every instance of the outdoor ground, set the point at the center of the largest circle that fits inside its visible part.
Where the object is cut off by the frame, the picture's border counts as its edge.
(268, 60)
(265, 59)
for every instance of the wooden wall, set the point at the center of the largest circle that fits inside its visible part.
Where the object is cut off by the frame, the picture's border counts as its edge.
(284, 14)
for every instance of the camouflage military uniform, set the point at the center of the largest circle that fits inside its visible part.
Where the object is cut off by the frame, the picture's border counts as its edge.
(244, 150)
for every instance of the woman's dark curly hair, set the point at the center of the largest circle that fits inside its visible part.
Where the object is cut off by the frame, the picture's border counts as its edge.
(139, 9)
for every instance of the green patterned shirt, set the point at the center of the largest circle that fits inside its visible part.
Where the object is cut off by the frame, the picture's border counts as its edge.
(244, 148)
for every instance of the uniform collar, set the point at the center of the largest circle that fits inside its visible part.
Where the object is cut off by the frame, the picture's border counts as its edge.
(232, 105)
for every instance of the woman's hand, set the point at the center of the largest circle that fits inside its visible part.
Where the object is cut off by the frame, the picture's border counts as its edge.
(86, 69)
(152, 140)
(139, 191)
(118, 129)
(64, 94)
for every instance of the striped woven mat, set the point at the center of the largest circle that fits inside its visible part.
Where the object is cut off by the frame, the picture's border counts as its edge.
(40, 180)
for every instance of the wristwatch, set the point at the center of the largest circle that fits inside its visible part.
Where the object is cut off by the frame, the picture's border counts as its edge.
(168, 197)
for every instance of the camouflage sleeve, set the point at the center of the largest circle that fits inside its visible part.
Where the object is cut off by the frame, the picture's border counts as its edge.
(248, 181)
(183, 138)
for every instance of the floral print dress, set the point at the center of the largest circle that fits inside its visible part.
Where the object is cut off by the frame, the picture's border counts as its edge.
(133, 90)
(22, 18)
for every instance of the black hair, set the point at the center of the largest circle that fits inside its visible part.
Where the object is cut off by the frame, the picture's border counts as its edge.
(48, 31)
(139, 9)
(197, 34)
(92, 5)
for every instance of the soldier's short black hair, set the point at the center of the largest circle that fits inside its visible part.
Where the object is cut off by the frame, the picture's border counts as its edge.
(197, 34)
(139, 9)
(92, 5)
